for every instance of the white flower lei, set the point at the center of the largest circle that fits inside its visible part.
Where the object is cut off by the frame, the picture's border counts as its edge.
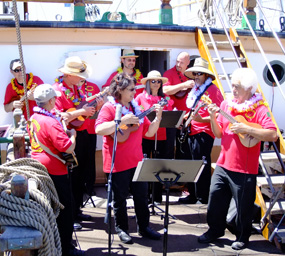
(126, 111)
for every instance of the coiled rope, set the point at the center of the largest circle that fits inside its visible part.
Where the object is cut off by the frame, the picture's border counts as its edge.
(42, 208)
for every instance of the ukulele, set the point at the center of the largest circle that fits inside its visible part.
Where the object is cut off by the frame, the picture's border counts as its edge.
(245, 139)
(22, 98)
(70, 158)
(126, 130)
(79, 121)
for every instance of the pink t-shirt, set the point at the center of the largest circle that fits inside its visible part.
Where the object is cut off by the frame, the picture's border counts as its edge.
(234, 156)
(63, 103)
(175, 77)
(215, 95)
(51, 134)
(138, 91)
(11, 95)
(128, 153)
(146, 101)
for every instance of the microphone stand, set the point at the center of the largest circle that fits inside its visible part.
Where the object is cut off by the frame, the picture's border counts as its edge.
(107, 219)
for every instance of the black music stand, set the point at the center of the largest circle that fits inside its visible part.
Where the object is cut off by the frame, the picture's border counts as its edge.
(170, 119)
(168, 172)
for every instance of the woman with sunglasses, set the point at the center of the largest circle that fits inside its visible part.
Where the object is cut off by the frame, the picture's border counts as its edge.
(155, 146)
(128, 154)
(14, 95)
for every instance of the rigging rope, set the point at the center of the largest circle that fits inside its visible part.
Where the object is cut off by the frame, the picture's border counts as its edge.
(40, 211)
(19, 42)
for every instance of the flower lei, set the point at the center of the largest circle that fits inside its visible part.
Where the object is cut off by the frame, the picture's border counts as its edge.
(137, 75)
(70, 95)
(21, 91)
(43, 112)
(248, 106)
(126, 111)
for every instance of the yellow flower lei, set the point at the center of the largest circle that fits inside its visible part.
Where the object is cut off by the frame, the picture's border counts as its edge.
(21, 91)
(137, 75)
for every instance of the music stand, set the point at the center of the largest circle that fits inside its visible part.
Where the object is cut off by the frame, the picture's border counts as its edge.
(170, 119)
(168, 172)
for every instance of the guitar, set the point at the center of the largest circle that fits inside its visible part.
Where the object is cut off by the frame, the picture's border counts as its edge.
(70, 158)
(245, 139)
(181, 94)
(186, 124)
(126, 130)
(78, 122)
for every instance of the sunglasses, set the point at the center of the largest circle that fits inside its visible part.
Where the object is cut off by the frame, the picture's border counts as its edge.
(197, 74)
(131, 90)
(17, 70)
(156, 81)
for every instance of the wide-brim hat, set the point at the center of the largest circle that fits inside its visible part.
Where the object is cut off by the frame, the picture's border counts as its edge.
(129, 53)
(154, 74)
(200, 65)
(44, 92)
(76, 67)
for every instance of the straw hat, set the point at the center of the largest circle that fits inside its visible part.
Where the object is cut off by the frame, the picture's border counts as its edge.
(200, 65)
(127, 53)
(154, 74)
(76, 67)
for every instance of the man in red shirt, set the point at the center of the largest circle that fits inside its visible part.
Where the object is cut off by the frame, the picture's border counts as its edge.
(201, 137)
(15, 90)
(75, 72)
(128, 60)
(237, 166)
(177, 88)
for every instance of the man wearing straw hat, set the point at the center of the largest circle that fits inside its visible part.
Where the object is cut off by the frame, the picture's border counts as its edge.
(200, 137)
(75, 72)
(128, 60)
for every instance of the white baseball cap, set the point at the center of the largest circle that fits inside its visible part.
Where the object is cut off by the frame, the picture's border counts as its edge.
(44, 93)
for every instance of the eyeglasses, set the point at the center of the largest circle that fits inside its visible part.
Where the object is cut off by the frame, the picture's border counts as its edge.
(156, 81)
(197, 74)
(131, 90)
(17, 70)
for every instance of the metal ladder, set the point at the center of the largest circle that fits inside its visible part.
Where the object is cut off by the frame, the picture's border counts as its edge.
(240, 59)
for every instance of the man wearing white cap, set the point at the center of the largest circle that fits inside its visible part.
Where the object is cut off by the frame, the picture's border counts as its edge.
(48, 141)
(128, 60)
(15, 90)
(73, 92)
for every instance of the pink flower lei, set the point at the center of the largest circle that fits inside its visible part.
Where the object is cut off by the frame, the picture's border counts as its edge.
(248, 106)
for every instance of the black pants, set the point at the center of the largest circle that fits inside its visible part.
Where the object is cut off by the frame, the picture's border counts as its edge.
(160, 153)
(90, 178)
(65, 218)
(225, 185)
(81, 173)
(122, 185)
(200, 146)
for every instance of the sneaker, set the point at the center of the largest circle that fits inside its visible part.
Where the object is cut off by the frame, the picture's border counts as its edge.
(208, 237)
(239, 245)
(187, 200)
(150, 233)
(125, 238)
(83, 217)
(76, 226)
(76, 252)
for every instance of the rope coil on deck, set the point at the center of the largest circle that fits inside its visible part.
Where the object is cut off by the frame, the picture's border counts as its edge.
(42, 208)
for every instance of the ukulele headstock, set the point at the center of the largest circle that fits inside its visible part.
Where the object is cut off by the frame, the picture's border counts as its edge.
(163, 102)
(206, 99)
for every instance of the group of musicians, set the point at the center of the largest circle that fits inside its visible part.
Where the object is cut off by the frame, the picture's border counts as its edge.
(73, 101)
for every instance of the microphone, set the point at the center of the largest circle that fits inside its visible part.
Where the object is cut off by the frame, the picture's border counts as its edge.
(118, 114)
